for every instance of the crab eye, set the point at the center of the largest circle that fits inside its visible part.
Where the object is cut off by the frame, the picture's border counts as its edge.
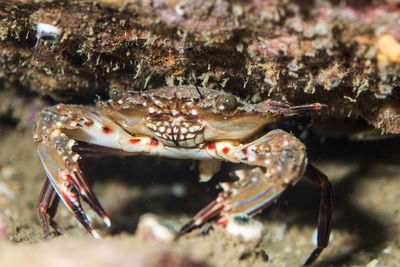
(115, 93)
(228, 102)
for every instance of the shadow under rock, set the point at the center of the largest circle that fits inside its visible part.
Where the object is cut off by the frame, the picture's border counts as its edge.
(165, 187)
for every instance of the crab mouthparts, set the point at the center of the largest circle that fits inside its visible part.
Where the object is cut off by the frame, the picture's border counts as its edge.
(181, 130)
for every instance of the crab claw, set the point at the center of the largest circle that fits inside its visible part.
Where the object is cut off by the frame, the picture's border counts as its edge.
(248, 195)
(62, 168)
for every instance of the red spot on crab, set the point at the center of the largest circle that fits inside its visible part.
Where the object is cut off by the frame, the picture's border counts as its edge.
(66, 176)
(107, 130)
(226, 150)
(154, 142)
(222, 221)
(134, 141)
(244, 150)
(211, 146)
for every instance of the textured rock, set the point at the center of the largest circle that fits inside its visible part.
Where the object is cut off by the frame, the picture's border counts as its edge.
(345, 55)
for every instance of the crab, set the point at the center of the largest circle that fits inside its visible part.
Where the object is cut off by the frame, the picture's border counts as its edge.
(177, 122)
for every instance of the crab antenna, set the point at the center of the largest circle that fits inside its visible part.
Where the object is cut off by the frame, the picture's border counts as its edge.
(307, 107)
(284, 108)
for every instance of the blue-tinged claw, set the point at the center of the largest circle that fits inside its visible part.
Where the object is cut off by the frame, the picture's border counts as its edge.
(248, 195)
(66, 179)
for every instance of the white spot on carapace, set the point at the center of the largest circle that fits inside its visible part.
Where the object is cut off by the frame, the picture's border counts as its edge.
(151, 126)
(190, 136)
(285, 143)
(71, 143)
(194, 129)
(75, 157)
(157, 102)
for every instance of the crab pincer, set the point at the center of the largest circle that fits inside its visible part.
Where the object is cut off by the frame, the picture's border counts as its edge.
(61, 165)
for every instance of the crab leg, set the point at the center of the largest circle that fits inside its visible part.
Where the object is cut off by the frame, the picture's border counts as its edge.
(48, 203)
(325, 210)
(280, 153)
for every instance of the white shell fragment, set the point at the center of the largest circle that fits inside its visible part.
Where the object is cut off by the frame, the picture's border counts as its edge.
(151, 228)
(247, 229)
(48, 31)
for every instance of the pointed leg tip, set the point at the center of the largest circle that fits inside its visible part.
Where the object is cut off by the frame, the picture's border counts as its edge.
(46, 236)
(190, 226)
(107, 221)
(312, 258)
(95, 234)
(186, 228)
